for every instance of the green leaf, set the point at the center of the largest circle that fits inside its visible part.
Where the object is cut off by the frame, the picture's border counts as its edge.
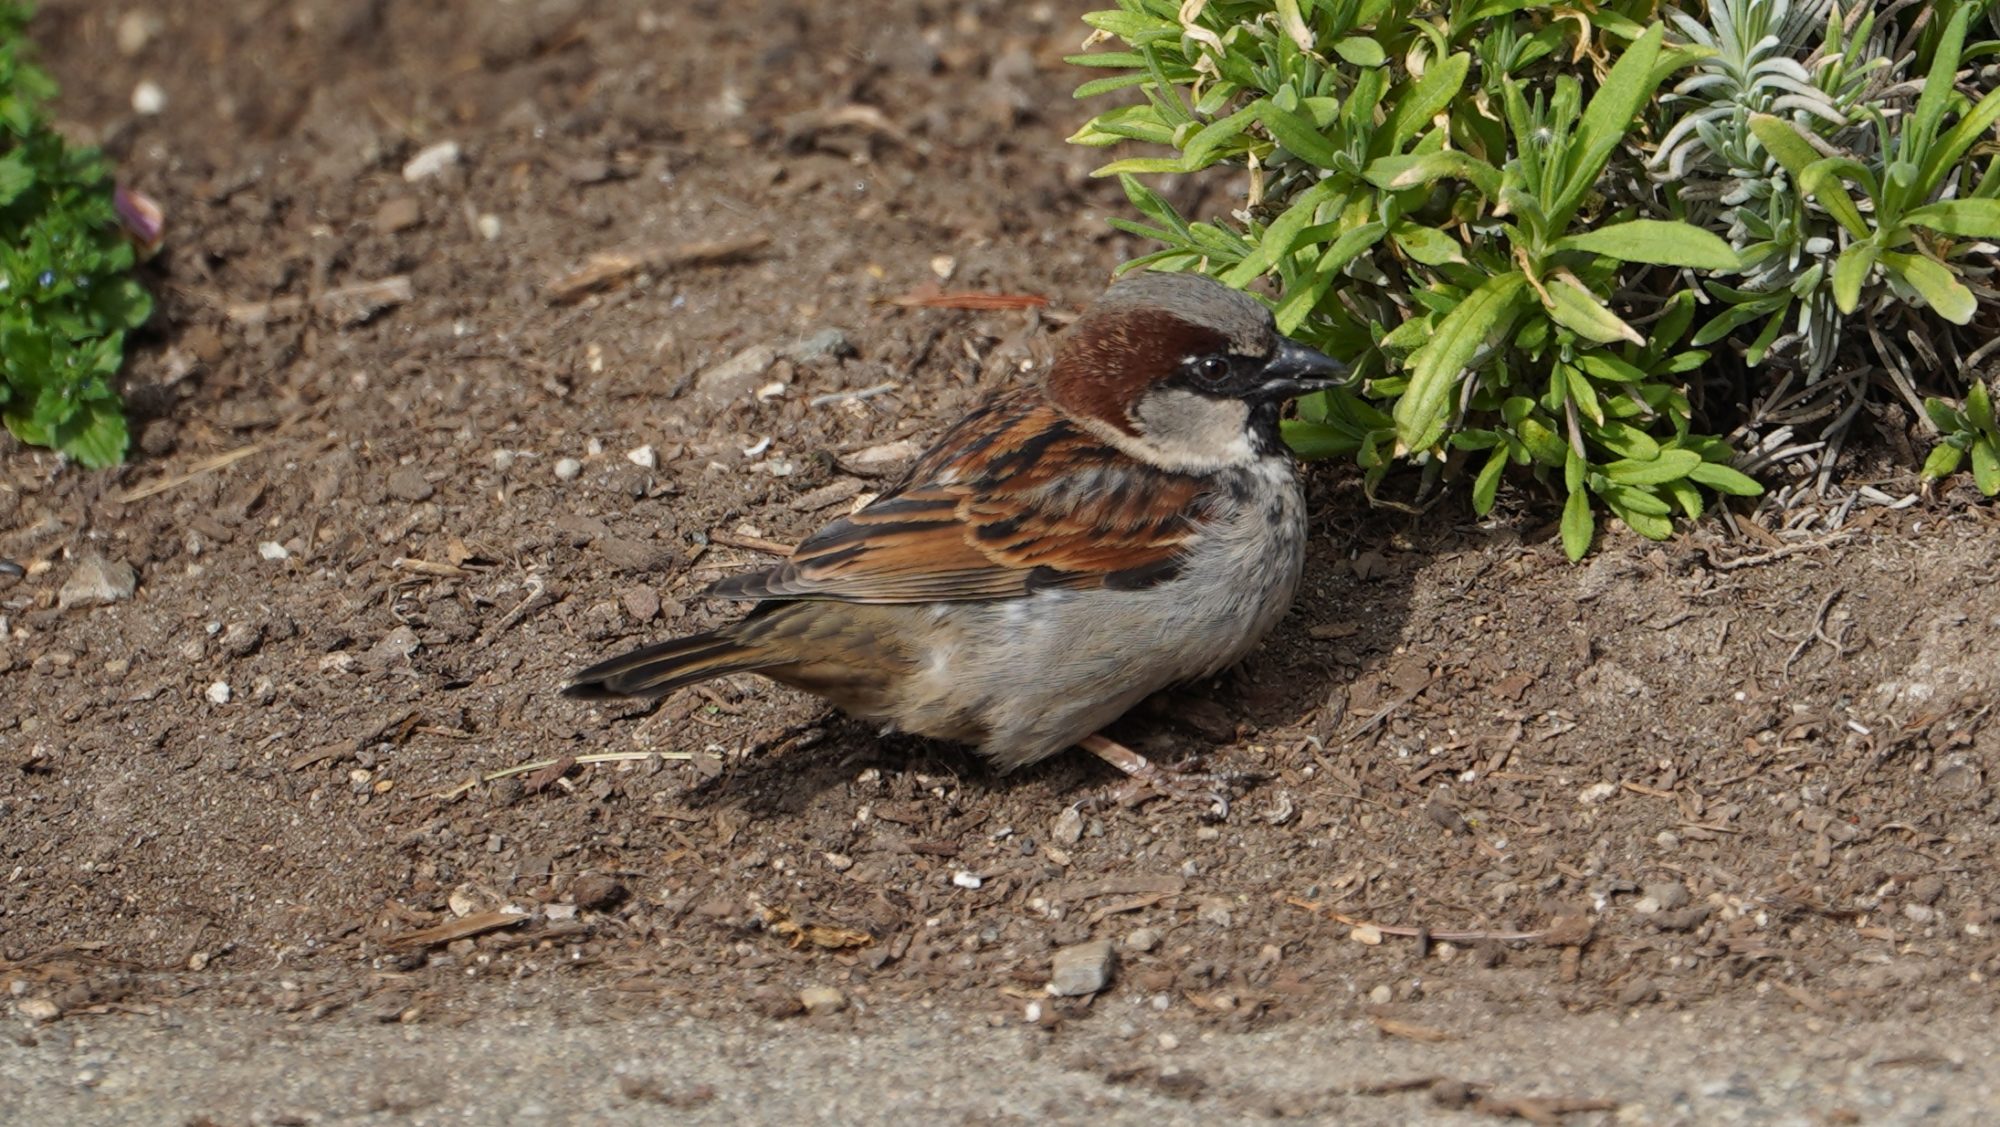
(1486, 314)
(1784, 141)
(1609, 368)
(1943, 415)
(1946, 153)
(1360, 50)
(15, 177)
(1577, 525)
(1656, 241)
(1849, 272)
(1439, 85)
(1724, 479)
(1279, 239)
(1200, 148)
(1935, 284)
(1972, 219)
(1143, 166)
(95, 435)
(1419, 169)
(1298, 135)
(1942, 462)
(1670, 465)
(1922, 127)
(1986, 465)
(1605, 122)
(1313, 441)
(1686, 496)
(1427, 245)
(1630, 499)
(1578, 310)
(1979, 406)
(1486, 486)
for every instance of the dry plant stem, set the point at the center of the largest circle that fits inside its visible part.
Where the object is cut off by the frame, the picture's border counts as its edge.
(1431, 934)
(543, 764)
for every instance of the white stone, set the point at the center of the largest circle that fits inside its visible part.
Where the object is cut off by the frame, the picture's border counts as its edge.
(431, 160)
(148, 99)
(218, 693)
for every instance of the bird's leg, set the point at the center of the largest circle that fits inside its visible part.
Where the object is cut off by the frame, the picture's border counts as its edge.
(1145, 779)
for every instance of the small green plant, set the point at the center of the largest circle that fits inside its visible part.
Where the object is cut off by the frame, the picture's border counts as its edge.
(1531, 223)
(67, 297)
(1967, 430)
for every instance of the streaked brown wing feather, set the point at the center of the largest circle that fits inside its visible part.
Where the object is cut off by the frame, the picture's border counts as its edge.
(1013, 499)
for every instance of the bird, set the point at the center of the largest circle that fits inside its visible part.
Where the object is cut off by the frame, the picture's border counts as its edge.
(1129, 522)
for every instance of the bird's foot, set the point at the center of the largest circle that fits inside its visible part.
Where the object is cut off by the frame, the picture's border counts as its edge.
(1145, 780)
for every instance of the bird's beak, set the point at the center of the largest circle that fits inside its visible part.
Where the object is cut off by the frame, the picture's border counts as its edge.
(1296, 370)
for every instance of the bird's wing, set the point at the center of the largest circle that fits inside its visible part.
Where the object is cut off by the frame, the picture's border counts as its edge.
(1014, 499)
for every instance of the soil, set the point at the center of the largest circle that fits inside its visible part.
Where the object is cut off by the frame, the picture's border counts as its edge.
(373, 528)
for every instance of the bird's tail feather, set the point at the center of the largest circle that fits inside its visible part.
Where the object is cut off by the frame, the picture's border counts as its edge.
(666, 666)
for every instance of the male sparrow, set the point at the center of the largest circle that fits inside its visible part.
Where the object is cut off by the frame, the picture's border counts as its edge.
(1063, 552)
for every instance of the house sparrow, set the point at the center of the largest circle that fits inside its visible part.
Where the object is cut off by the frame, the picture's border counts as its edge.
(1063, 552)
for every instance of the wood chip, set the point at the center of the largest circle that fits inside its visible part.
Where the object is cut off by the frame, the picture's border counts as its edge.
(780, 923)
(478, 923)
(1409, 1030)
(607, 269)
(933, 299)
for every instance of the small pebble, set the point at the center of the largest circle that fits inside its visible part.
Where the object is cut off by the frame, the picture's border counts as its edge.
(135, 30)
(97, 582)
(503, 460)
(1667, 895)
(964, 879)
(1596, 792)
(431, 160)
(38, 1009)
(398, 214)
(272, 550)
(218, 693)
(488, 225)
(1382, 995)
(643, 457)
(822, 1000)
(1143, 940)
(1068, 828)
(1081, 969)
(407, 483)
(567, 469)
(148, 99)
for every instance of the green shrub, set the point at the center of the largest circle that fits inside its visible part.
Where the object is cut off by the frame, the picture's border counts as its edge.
(1532, 224)
(66, 295)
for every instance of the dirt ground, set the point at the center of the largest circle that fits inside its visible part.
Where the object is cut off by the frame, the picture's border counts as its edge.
(388, 490)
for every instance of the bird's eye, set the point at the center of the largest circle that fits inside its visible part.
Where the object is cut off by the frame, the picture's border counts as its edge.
(1211, 369)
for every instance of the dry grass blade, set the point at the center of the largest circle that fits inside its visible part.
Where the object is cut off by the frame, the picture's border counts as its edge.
(607, 269)
(966, 300)
(577, 760)
(477, 923)
(206, 465)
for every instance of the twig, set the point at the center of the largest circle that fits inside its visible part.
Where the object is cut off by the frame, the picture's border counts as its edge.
(361, 300)
(206, 465)
(606, 269)
(426, 567)
(542, 764)
(1778, 553)
(476, 924)
(1418, 932)
(536, 590)
(749, 543)
(1389, 709)
(962, 300)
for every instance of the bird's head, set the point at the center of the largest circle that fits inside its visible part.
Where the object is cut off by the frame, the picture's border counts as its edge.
(1183, 372)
